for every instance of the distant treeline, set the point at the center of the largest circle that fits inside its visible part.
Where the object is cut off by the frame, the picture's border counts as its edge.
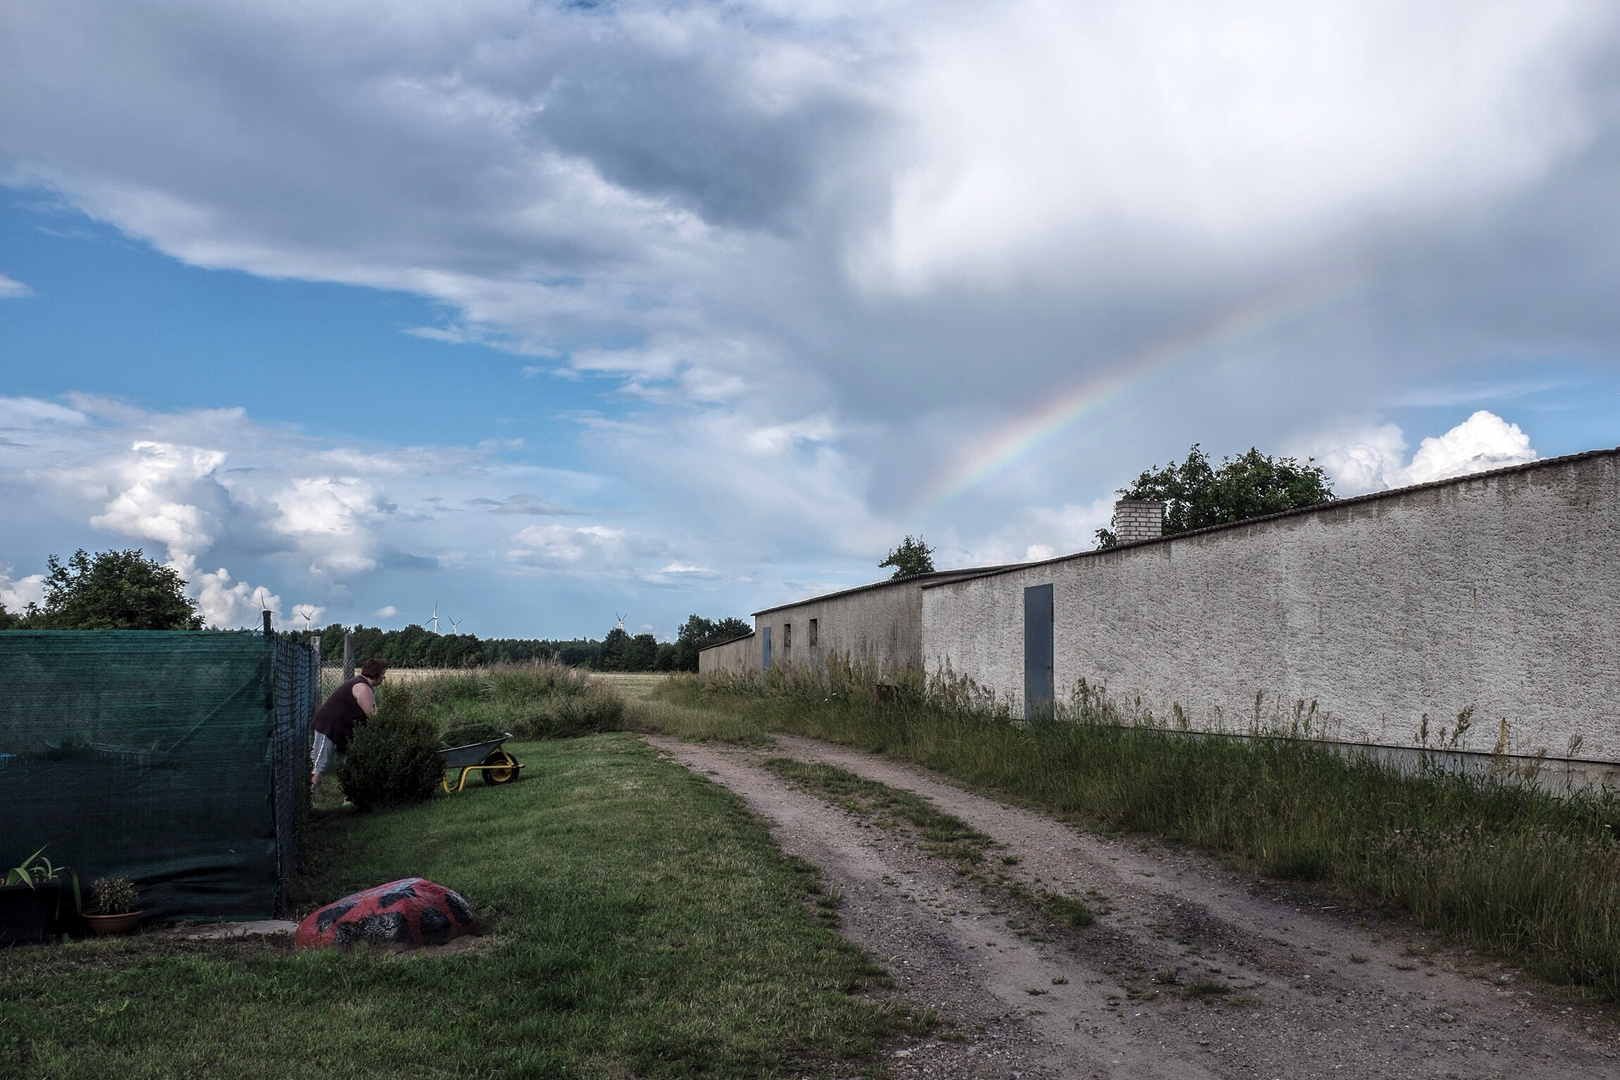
(418, 647)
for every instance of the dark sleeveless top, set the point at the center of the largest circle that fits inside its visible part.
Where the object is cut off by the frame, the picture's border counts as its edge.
(339, 713)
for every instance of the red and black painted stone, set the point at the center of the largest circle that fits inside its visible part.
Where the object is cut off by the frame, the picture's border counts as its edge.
(409, 913)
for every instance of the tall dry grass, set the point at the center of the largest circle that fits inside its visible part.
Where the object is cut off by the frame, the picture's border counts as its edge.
(539, 700)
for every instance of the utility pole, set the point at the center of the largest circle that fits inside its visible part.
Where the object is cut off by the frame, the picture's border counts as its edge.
(348, 655)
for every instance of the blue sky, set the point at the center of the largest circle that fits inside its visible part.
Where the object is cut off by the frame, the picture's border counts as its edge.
(551, 314)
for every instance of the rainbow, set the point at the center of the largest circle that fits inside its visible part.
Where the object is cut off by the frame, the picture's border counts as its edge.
(1017, 442)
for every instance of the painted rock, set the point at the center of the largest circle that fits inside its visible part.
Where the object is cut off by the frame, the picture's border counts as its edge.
(406, 914)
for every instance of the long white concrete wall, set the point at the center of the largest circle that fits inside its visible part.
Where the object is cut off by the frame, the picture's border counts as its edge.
(1499, 592)
(730, 657)
(878, 624)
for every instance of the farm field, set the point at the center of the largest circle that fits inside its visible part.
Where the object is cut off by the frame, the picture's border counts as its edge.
(644, 924)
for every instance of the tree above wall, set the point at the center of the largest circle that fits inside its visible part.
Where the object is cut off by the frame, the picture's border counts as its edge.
(1197, 495)
(911, 558)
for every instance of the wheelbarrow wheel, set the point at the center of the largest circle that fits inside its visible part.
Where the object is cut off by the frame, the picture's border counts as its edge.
(499, 768)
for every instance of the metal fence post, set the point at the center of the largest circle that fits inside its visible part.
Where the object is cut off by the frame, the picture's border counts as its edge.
(348, 655)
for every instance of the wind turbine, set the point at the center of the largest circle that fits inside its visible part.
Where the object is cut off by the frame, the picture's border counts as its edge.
(435, 619)
(305, 612)
(616, 615)
(455, 625)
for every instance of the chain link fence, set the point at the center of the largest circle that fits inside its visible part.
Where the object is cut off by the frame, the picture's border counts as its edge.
(297, 694)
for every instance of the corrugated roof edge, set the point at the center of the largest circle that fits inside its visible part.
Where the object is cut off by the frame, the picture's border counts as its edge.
(728, 641)
(969, 571)
(1453, 481)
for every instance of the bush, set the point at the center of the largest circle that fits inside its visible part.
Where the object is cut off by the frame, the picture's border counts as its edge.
(393, 758)
(532, 701)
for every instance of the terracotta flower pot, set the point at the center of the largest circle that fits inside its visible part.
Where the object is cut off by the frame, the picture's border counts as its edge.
(105, 925)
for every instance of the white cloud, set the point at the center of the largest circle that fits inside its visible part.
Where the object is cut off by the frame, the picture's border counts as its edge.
(17, 593)
(1038, 126)
(220, 602)
(388, 612)
(563, 546)
(11, 288)
(1372, 459)
(330, 517)
(1482, 442)
(155, 481)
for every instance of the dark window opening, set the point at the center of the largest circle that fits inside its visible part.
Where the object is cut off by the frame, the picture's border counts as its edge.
(787, 636)
(813, 633)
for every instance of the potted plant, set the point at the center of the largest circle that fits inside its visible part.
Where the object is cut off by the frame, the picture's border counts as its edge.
(115, 912)
(30, 894)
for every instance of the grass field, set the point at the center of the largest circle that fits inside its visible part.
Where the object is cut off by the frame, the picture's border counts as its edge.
(645, 925)
(1513, 870)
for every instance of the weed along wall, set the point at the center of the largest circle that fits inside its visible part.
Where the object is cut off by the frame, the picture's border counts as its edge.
(177, 759)
(1374, 620)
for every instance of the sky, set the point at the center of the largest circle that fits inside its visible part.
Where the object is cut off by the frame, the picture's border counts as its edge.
(546, 315)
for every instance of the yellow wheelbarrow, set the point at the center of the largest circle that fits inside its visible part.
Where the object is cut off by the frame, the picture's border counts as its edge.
(496, 765)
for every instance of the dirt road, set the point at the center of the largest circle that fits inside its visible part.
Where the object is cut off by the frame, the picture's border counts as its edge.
(1193, 971)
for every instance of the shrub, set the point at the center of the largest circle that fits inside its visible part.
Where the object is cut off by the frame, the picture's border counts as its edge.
(393, 758)
(532, 701)
(115, 895)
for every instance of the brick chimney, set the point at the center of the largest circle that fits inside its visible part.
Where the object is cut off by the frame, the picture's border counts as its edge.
(1138, 519)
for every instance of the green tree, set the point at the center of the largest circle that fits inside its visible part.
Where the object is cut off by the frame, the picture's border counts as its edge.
(113, 590)
(642, 655)
(911, 558)
(1197, 495)
(695, 635)
(614, 647)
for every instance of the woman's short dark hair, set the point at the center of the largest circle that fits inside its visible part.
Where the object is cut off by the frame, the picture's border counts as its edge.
(374, 668)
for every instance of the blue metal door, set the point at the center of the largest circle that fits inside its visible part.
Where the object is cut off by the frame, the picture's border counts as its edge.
(765, 647)
(1037, 651)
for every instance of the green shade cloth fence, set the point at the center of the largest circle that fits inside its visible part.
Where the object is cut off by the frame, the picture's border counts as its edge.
(177, 759)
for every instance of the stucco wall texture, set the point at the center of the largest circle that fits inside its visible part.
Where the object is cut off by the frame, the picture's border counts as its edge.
(1499, 592)
(738, 654)
(878, 624)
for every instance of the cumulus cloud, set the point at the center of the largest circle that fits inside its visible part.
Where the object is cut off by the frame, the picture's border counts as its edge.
(1373, 459)
(329, 517)
(159, 488)
(215, 489)
(17, 593)
(551, 547)
(387, 612)
(220, 601)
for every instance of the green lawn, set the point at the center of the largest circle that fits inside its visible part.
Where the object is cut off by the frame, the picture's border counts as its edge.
(645, 926)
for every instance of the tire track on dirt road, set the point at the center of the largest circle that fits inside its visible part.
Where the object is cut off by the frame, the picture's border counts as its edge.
(936, 934)
(1316, 992)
